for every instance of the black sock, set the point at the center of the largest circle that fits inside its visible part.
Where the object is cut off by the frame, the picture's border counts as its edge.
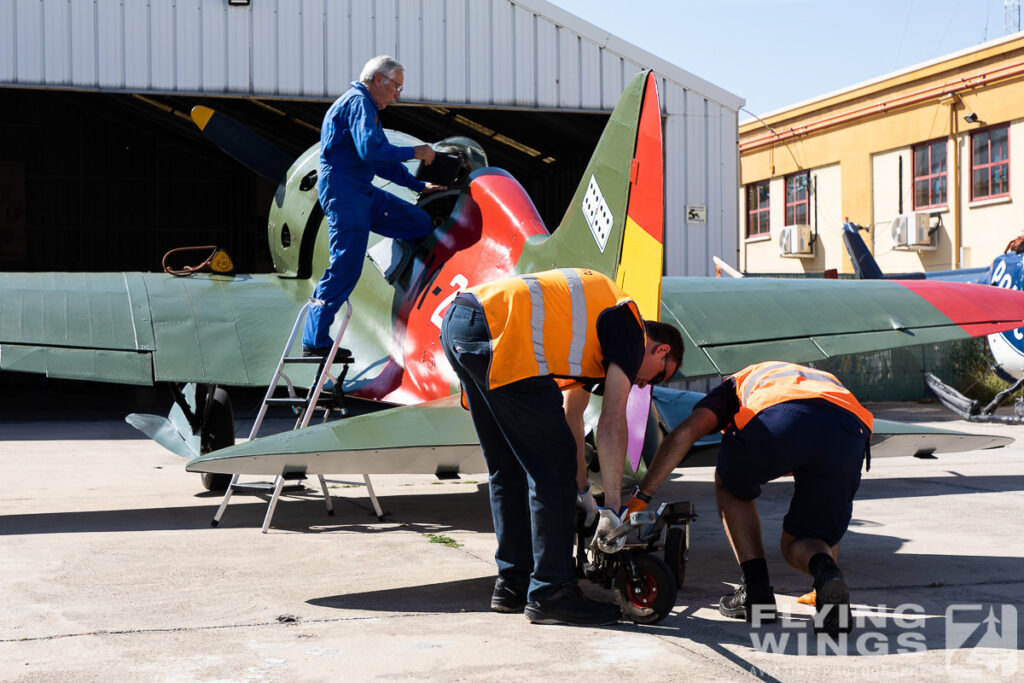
(755, 572)
(821, 563)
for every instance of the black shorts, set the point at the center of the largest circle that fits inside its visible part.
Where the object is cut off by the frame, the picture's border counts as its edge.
(821, 444)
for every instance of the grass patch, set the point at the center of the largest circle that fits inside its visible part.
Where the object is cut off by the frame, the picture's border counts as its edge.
(972, 362)
(444, 540)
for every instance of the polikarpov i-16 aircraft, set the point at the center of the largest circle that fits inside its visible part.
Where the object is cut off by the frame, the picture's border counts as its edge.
(1007, 347)
(208, 331)
(615, 225)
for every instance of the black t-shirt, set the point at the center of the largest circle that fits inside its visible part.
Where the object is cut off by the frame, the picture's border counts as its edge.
(723, 402)
(621, 337)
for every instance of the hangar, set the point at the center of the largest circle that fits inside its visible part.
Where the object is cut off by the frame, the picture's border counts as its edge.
(101, 168)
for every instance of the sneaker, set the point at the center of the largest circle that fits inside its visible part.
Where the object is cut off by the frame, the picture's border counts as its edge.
(832, 604)
(507, 596)
(342, 355)
(569, 606)
(741, 604)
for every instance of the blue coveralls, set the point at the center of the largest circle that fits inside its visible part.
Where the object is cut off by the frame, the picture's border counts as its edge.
(353, 148)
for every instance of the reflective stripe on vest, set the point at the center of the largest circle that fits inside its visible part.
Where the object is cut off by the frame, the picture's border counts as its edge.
(578, 334)
(766, 384)
(546, 323)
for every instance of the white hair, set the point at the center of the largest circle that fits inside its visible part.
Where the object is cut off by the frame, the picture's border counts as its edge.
(381, 64)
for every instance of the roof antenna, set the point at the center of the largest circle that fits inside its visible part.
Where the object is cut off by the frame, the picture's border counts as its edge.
(1011, 16)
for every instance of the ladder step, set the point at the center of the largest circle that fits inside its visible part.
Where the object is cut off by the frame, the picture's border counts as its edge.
(312, 360)
(300, 402)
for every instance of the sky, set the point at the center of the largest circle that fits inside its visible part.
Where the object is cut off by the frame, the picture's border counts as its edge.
(776, 53)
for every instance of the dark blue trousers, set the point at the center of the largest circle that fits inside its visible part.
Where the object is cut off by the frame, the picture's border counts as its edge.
(531, 459)
(821, 444)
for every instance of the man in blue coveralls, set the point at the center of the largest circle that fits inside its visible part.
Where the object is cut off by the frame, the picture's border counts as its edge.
(353, 148)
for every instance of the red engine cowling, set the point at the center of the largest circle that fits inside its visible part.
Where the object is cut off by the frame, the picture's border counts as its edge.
(482, 242)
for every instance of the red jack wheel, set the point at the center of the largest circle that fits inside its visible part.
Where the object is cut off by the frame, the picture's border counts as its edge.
(655, 596)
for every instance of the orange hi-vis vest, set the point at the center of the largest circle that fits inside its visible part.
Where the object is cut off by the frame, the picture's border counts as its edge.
(546, 323)
(766, 384)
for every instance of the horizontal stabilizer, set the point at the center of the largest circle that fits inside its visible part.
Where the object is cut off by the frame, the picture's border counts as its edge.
(891, 439)
(436, 436)
(888, 439)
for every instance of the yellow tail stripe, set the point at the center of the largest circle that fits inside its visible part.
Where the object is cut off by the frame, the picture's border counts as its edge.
(640, 268)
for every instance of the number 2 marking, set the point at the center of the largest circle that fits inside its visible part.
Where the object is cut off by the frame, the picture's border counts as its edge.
(459, 282)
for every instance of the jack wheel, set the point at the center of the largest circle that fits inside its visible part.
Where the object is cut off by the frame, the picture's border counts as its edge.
(654, 598)
(675, 553)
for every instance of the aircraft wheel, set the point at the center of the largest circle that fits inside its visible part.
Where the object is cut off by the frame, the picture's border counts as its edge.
(675, 553)
(656, 595)
(219, 433)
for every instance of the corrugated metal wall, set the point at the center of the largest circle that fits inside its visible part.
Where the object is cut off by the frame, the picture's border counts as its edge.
(495, 53)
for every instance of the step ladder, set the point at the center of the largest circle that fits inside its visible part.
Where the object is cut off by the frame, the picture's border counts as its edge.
(305, 402)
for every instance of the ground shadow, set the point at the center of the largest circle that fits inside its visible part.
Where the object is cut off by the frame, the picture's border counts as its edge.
(464, 595)
(304, 512)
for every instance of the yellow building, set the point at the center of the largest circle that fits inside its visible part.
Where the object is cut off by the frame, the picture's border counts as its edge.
(930, 159)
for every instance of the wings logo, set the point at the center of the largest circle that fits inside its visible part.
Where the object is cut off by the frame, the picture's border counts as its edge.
(976, 641)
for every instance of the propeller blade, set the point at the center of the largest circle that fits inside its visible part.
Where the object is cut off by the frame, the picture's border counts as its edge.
(245, 146)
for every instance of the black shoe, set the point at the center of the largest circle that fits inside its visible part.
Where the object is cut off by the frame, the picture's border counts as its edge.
(507, 596)
(832, 603)
(570, 606)
(342, 355)
(741, 604)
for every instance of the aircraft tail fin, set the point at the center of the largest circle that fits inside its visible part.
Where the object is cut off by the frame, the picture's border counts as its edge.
(615, 223)
(864, 264)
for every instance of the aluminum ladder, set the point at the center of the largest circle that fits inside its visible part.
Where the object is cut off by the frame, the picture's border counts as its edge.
(305, 405)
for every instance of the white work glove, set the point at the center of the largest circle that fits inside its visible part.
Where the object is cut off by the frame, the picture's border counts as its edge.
(585, 502)
(607, 523)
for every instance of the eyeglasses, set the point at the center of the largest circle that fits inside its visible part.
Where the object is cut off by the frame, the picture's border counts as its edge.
(660, 377)
(398, 86)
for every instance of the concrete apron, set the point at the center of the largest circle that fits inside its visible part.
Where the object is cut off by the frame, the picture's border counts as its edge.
(111, 571)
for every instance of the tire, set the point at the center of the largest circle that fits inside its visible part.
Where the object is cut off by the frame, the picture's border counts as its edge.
(658, 595)
(675, 553)
(218, 433)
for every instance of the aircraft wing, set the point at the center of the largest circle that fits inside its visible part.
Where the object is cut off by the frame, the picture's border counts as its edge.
(141, 328)
(729, 323)
(901, 438)
(435, 437)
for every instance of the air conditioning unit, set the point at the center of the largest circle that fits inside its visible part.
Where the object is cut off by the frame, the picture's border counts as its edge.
(913, 232)
(796, 241)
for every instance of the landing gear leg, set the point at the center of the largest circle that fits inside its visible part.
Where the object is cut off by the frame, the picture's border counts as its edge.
(218, 432)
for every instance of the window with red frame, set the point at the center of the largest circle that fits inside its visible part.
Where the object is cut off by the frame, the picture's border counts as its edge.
(797, 198)
(990, 163)
(757, 209)
(930, 174)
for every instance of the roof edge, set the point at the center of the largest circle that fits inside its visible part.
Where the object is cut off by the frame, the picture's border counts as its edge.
(609, 41)
(889, 76)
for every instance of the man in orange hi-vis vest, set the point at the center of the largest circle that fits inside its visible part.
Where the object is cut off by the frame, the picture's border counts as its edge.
(515, 345)
(779, 418)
